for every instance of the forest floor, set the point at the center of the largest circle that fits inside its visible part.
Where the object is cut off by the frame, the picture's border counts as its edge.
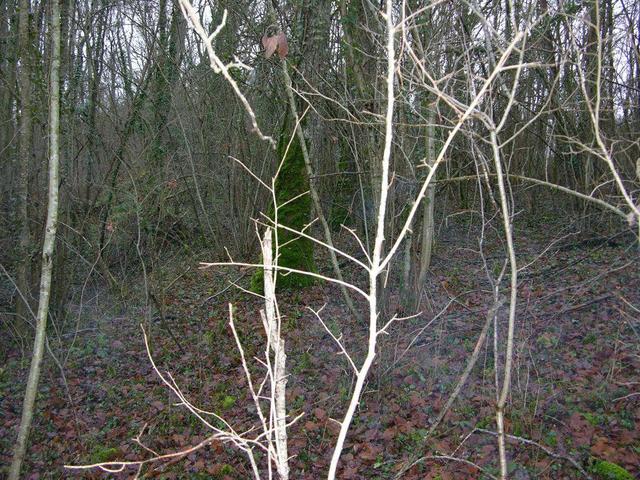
(575, 390)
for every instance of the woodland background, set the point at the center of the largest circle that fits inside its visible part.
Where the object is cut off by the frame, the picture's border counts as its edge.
(162, 168)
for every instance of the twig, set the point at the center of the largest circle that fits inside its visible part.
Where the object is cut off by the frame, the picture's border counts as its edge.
(231, 284)
(548, 451)
(444, 457)
(493, 311)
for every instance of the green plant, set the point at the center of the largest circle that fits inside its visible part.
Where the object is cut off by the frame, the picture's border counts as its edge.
(333, 327)
(112, 372)
(547, 340)
(297, 403)
(609, 470)
(209, 338)
(228, 402)
(412, 441)
(594, 419)
(304, 363)
(292, 321)
(485, 422)
(104, 454)
(344, 392)
(551, 438)
(626, 419)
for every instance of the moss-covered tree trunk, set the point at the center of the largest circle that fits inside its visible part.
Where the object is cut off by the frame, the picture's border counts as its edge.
(293, 211)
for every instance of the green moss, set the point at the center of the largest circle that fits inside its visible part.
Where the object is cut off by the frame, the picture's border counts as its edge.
(104, 454)
(594, 419)
(294, 211)
(609, 471)
(228, 402)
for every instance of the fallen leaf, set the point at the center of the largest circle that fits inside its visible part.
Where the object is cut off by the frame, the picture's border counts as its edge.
(283, 46)
(320, 413)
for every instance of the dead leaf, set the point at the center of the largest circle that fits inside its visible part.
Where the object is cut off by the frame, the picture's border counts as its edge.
(270, 44)
(370, 452)
(582, 430)
(390, 433)
(283, 46)
(275, 43)
(310, 426)
(602, 448)
(350, 473)
(320, 413)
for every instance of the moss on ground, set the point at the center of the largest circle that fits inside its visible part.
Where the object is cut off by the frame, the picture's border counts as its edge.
(609, 471)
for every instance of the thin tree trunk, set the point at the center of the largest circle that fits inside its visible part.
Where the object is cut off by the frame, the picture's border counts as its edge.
(47, 248)
(508, 362)
(426, 246)
(279, 358)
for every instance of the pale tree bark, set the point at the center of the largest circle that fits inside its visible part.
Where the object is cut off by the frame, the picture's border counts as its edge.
(506, 381)
(24, 154)
(47, 248)
(378, 259)
(279, 382)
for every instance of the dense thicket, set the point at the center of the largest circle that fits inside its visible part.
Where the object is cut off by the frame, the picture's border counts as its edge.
(506, 112)
(152, 140)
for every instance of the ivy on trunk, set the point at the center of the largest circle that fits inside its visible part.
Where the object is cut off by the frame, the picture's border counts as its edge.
(294, 251)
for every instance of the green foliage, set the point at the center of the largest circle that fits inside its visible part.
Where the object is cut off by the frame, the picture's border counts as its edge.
(411, 441)
(547, 340)
(609, 470)
(209, 338)
(304, 363)
(297, 403)
(221, 472)
(228, 402)
(292, 321)
(594, 419)
(551, 438)
(104, 454)
(294, 210)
